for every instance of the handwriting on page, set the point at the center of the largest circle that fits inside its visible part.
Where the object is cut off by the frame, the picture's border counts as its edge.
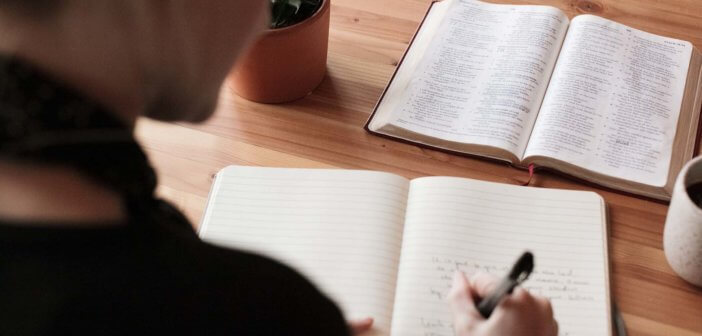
(556, 284)
(553, 283)
(452, 224)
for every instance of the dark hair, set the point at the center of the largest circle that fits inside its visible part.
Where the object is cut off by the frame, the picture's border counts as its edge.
(32, 8)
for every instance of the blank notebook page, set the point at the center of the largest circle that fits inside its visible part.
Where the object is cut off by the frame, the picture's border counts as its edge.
(340, 228)
(473, 226)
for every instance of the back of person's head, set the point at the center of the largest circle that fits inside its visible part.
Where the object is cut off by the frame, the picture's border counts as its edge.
(177, 52)
(32, 7)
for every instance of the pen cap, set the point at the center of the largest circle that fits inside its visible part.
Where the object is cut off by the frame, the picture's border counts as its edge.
(523, 267)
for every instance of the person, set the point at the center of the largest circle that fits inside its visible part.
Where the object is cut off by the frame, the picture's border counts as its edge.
(519, 314)
(85, 246)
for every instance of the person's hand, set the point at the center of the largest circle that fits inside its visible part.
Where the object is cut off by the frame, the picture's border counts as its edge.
(519, 314)
(358, 327)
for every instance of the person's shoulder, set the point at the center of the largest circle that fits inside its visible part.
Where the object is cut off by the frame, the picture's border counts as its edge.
(273, 296)
(236, 262)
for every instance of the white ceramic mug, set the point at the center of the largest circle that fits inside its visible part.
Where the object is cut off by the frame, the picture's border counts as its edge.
(682, 237)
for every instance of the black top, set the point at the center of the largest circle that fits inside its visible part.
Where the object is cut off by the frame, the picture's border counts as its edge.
(150, 275)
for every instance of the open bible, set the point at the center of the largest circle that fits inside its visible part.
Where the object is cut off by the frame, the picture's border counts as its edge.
(590, 97)
(387, 247)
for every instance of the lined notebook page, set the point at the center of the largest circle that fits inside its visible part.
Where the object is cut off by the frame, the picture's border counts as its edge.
(474, 226)
(340, 228)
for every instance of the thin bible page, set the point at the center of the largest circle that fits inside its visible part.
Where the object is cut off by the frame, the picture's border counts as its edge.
(614, 100)
(467, 225)
(482, 78)
(340, 228)
(407, 68)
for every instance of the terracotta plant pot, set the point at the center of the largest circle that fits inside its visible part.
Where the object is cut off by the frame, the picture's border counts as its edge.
(285, 64)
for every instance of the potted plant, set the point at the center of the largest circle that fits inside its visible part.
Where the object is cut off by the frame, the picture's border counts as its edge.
(289, 60)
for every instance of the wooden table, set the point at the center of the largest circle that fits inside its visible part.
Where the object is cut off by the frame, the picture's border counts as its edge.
(367, 39)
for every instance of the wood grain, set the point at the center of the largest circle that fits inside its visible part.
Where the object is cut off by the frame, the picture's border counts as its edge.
(367, 39)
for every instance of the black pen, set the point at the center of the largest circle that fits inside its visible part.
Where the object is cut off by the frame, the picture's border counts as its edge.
(520, 272)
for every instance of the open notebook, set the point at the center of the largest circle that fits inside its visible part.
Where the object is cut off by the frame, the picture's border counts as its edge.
(387, 247)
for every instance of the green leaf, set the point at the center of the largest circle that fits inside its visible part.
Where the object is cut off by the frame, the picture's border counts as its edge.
(296, 4)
